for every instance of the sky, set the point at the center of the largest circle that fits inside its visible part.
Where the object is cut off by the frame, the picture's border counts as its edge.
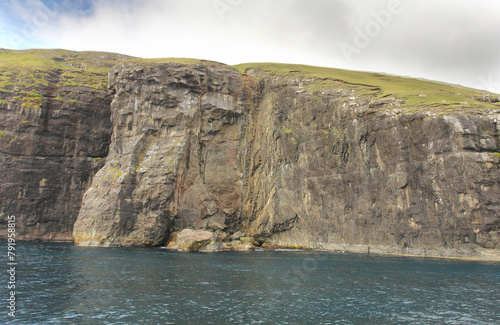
(455, 41)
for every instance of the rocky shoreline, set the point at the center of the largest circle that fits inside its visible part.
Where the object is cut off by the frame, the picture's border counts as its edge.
(189, 240)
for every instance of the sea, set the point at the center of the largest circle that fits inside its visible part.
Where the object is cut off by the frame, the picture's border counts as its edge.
(58, 283)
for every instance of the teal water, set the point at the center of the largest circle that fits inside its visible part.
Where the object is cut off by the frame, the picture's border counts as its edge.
(63, 284)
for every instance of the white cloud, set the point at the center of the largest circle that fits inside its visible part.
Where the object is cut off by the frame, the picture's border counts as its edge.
(453, 41)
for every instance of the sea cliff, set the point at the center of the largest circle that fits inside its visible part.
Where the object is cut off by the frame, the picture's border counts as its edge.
(198, 155)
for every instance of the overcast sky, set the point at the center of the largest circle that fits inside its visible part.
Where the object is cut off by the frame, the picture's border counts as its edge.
(456, 41)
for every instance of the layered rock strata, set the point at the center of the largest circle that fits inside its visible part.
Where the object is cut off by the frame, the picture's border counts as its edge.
(173, 158)
(53, 141)
(202, 147)
(198, 156)
(339, 172)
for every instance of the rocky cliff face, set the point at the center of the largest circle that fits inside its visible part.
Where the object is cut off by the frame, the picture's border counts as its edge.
(205, 157)
(342, 172)
(55, 130)
(49, 154)
(172, 162)
(202, 147)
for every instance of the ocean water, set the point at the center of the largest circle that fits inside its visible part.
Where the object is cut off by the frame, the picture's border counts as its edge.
(63, 284)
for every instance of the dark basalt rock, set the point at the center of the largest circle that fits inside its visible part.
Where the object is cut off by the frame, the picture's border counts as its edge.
(48, 156)
(326, 174)
(173, 160)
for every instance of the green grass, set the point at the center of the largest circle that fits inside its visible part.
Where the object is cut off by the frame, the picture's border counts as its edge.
(33, 68)
(28, 99)
(377, 85)
(29, 69)
(186, 61)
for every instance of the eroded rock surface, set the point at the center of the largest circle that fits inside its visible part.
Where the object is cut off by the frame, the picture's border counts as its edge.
(49, 151)
(333, 171)
(198, 156)
(173, 158)
(202, 148)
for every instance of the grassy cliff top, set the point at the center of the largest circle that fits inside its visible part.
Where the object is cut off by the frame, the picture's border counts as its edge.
(187, 61)
(33, 68)
(379, 85)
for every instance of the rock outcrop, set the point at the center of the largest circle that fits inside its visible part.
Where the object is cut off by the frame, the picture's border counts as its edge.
(173, 158)
(54, 136)
(340, 172)
(203, 157)
(203, 148)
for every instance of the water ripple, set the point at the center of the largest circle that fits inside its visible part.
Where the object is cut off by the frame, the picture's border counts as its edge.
(62, 284)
